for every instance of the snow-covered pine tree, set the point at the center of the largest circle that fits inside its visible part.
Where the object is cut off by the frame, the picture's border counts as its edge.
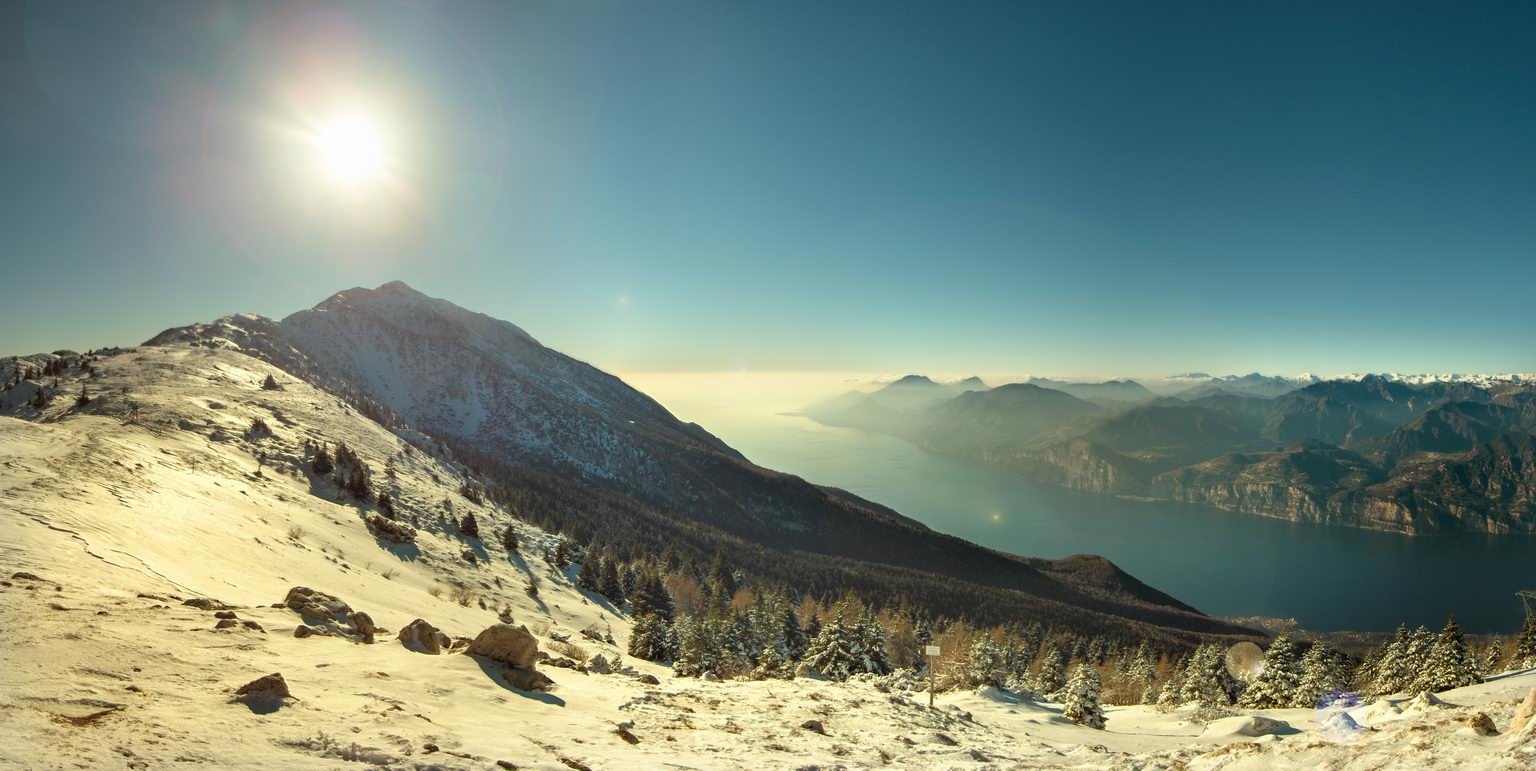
(1206, 680)
(651, 596)
(1142, 671)
(833, 652)
(698, 651)
(1525, 646)
(721, 579)
(650, 639)
(876, 660)
(773, 665)
(984, 666)
(1449, 663)
(1275, 685)
(791, 637)
(1394, 671)
(1322, 671)
(1493, 656)
(1051, 674)
(1082, 705)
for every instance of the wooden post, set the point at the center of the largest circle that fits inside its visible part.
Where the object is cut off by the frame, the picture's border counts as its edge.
(933, 664)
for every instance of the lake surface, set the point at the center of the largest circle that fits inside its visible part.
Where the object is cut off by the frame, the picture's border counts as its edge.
(1223, 563)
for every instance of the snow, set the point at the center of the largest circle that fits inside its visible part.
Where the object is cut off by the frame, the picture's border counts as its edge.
(103, 666)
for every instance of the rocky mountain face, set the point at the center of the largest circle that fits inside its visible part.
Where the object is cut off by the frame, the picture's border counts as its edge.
(578, 449)
(1374, 452)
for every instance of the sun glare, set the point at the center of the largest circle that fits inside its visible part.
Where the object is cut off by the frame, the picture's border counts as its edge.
(352, 149)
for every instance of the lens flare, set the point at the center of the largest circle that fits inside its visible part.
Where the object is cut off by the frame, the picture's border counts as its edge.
(352, 149)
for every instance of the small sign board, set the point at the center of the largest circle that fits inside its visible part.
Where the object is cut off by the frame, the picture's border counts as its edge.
(933, 650)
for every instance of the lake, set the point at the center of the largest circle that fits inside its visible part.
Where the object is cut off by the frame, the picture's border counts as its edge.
(1223, 563)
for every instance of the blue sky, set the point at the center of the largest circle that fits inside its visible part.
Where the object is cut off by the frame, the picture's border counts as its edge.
(1066, 187)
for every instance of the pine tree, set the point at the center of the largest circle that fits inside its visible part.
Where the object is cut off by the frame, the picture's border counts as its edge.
(588, 577)
(832, 653)
(1525, 645)
(469, 525)
(1052, 672)
(772, 664)
(650, 638)
(721, 579)
(791, 636)
(1493, 656)
(610, 586)
(322, 464)
(1142, 670)
(1394, 668)
(509, 539)
(270, 385)
(697, 649)
(1082, 703)
(1322, 672)
(1449, 663)
(386, 505)
(1206, 680)
(651, 596)
(83, 399)
(985, 664)
(1275, 685)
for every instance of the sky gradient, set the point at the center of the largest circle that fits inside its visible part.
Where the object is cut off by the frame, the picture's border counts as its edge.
(1069, 188)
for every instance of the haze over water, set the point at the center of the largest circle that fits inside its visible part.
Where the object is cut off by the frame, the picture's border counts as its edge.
(1223, 563)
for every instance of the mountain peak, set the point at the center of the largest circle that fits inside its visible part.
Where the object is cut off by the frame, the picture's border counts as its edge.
(914, 380)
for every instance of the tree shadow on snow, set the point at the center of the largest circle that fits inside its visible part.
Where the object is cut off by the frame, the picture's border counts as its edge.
(495, 669)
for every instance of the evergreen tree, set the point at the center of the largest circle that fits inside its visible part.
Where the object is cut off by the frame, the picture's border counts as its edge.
(1275, 685)
(697, 651)
(1449, 663)
(610, 586)
(985, 666)
(1206, 679)
(40, 398)
(877, 661)
(772, 664)
(1172, 693)
(469, 525)
(386, 505)
(651, 596)
(791, 636)
(321, 464)
(1142, 670)
(509, 539)
(589, 577)
(1082, 703)
(1052, 672)
(1493, 656)
(1525, 645)
(721, 579)
(270, 385)
(1394, 668)
(83, 399)
(1322, 672)
(833, 652)
(650, 639)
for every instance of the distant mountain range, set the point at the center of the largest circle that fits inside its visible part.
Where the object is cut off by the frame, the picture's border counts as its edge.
(1415, 454)
(577, 450)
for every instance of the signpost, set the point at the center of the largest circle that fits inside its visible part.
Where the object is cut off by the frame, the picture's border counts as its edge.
(933, 663)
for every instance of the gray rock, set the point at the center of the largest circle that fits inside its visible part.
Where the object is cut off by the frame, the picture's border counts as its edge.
(267, 688)
(814, 726)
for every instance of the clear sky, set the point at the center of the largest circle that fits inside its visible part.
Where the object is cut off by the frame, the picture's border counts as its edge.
(1053, 187)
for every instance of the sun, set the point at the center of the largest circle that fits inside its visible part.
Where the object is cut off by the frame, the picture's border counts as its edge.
(353, 149)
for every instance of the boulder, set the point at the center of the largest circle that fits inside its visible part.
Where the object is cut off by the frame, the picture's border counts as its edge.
(226, 623)
(1525, 714)
(514, 646)
(304, 630)
(423, 637)
(649, 680)
(362, 623)
(814, 726)
(528, 679)
(205, 603)
(225, 614)
(1480, 723)
(599, 664)
(252, 625)
(269, 689)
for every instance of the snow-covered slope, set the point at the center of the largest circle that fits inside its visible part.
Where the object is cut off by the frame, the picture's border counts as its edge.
(115, 512)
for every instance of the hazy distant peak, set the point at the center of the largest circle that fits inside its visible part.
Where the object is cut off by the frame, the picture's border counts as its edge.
(914, 380)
